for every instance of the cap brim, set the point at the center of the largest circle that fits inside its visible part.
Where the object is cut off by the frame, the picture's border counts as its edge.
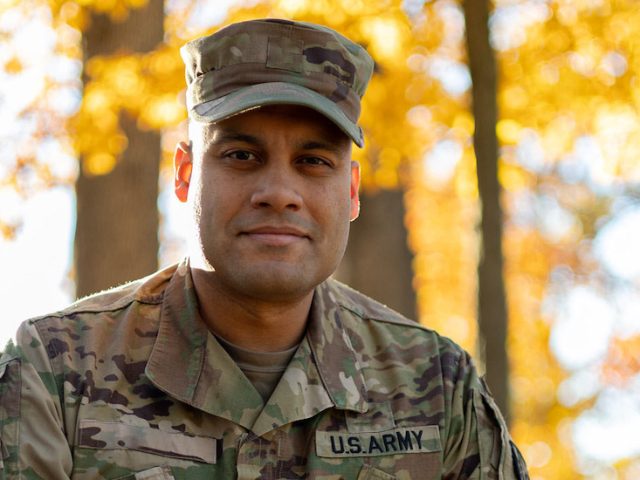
(275, 93)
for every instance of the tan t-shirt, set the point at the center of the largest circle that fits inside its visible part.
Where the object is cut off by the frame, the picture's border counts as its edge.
(263, 369)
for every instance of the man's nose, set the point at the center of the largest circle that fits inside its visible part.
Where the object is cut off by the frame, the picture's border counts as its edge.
(277, 188)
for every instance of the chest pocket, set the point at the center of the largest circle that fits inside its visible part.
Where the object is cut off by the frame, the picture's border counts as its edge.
(133, 452)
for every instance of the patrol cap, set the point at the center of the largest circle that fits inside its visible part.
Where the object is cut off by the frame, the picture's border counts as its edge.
(271, 61)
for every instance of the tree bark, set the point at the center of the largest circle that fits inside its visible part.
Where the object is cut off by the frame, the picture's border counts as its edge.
(378, 261)
(492, 312)
(116, 236)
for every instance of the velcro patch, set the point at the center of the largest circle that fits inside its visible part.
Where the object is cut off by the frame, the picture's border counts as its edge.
(397, 441)
(108, 435)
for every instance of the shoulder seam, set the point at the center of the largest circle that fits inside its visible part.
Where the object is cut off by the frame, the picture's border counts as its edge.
(393, 321)
(116, 305)
(380, 312)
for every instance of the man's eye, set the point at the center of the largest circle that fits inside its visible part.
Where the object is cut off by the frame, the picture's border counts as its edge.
(241, 155)
(314, 161)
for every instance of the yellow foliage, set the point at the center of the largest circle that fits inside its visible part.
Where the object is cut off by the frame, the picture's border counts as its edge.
(99, 163)
(572, 78)
(535, 373)
(623, 362)
(74, 15)
(13, 66)
(75, 12)
(126, 84)
(7, 231)
(386, 36)
(161, 111)
(466, 178)
(508, 131)
(291, 8)
(513, 177)
(579, 61)
(7, 4)
(463, 124)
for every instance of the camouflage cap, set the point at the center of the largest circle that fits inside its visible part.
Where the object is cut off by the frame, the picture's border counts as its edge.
(265, 62)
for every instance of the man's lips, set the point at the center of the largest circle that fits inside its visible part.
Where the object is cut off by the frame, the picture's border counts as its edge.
(275, 235)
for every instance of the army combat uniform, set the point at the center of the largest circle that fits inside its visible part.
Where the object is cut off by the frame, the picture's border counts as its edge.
(130, 384)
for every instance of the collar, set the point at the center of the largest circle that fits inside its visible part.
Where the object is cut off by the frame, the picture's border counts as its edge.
(333, 351)
(188, 363)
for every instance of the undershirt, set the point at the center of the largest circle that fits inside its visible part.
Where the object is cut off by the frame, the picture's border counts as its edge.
(263, 369)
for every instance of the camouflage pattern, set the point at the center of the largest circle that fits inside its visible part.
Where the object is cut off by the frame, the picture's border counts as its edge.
(130, 384)
(266, 62)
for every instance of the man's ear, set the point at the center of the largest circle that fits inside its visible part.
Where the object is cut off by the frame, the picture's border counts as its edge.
(355, 185)
(182, 165)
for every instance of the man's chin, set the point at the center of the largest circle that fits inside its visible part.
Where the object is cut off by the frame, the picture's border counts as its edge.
(275, 284)
(277, 289)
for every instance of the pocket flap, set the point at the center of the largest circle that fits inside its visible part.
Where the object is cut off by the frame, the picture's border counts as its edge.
(378, 418)
(121, 436)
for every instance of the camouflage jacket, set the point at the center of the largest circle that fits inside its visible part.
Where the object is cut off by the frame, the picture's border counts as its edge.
(130, 384)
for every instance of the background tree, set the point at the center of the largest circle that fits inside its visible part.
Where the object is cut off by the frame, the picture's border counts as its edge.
(492, 310)
(117, 217)
(378, 261)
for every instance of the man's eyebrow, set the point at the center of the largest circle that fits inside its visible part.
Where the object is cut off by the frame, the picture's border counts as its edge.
(222, 136)
(320, 145)
(227, 136)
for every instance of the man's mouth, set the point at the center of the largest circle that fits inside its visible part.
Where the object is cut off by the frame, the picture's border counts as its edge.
(276, 235)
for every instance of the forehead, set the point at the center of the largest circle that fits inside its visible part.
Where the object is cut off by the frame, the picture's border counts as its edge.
(260, 121)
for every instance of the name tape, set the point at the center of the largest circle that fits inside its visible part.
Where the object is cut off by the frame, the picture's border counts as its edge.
(397, 441)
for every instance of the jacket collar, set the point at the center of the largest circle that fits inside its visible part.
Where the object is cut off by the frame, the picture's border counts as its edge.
(333, 351)
(188, 363)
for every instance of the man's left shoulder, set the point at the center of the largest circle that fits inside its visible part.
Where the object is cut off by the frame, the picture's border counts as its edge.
(370, 313)
(371, 321)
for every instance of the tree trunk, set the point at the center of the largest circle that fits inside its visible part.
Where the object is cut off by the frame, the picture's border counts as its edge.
(117, 215)
(378, 260)
(492, 312)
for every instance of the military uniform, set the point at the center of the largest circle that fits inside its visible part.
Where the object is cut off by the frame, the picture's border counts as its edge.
(130, 384)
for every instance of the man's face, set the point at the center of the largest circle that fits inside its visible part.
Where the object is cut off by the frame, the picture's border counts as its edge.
(272, 191)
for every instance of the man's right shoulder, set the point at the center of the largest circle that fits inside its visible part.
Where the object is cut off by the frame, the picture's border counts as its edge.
(147, 291)
(117, 313)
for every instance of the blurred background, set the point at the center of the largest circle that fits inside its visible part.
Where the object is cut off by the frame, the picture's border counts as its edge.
(501, 184)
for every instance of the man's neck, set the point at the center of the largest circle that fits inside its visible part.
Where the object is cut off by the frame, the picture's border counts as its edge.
(250, 323)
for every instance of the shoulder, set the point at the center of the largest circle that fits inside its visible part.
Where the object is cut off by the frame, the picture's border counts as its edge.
(385, 341)
(93, 320)
(432, 379)
(363, 306)
(145, 291)
(367, 313)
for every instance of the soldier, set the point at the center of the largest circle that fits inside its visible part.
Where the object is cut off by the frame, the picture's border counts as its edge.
(246, 360)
